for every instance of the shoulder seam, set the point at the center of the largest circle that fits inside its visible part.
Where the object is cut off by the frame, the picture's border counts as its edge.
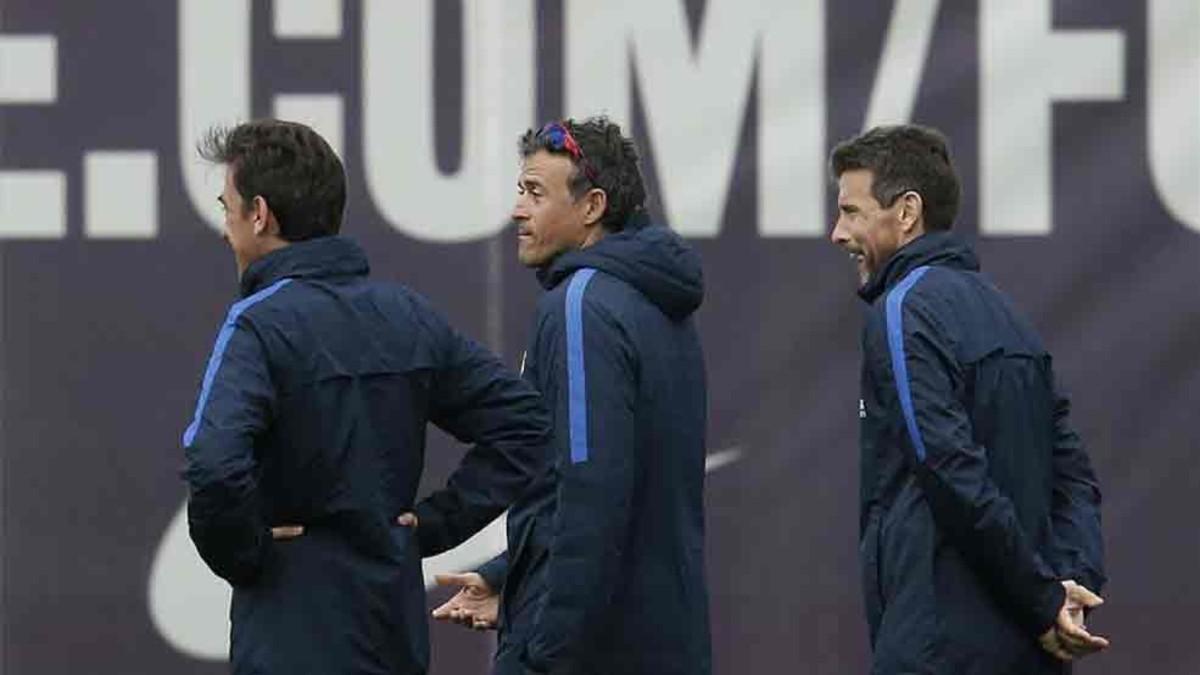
(242, 306)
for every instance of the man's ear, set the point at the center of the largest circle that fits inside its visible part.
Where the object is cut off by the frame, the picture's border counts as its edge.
(596, 205)
(264, 219)
(912, 213)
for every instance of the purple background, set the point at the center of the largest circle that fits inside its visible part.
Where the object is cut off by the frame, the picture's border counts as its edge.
(103, 344)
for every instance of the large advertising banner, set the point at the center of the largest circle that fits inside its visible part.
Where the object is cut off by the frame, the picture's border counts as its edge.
(1075, 125)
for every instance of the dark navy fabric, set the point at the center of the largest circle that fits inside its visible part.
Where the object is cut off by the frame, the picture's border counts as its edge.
(977, 495)
(605, 565)
(313, 411)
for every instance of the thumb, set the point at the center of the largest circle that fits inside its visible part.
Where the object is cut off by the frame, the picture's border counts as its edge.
(1085, 597)
(463, 579)
(407, 519)
(287, 531)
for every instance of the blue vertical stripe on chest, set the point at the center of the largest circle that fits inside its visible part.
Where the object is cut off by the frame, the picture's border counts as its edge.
(895, 336)
(218, 353)
(577, 409)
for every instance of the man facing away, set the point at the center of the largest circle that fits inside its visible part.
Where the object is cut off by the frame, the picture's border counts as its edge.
(604, 571)
(311, 420)
(980, 513)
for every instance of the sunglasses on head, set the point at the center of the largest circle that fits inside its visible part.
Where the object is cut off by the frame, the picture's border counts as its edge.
(560, 139)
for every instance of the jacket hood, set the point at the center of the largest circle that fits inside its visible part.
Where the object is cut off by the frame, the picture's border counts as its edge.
(651, 258)
(334, 256)
(941, 248)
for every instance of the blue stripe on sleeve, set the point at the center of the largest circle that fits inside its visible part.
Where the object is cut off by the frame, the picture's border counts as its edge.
(214, 361)
(576, 377)
(895, 335)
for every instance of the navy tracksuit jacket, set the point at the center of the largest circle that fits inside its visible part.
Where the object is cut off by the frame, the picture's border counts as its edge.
(977, 496)
(313, 411)
(605, 567)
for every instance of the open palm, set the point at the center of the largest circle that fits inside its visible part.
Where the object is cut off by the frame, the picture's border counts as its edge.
(475, 605)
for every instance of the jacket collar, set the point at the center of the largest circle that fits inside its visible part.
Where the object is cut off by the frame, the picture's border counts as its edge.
(565, 264)
(321, 257)
(933, 248)
(652, 258)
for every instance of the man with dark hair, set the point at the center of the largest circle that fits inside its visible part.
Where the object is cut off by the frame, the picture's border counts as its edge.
(980, 513)
(308, 436)
(291, 167)
(604, 571)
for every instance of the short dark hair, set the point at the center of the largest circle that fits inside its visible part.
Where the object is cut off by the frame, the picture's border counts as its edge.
(607, 160)
(902, 158)
(290, 166)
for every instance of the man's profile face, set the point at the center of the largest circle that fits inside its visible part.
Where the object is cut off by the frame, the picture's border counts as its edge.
(239, 224)
(868, 231)
(549, 219)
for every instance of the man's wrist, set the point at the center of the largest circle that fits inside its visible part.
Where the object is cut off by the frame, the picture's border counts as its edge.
(428, 528)
(494, 572)
(1045, 614)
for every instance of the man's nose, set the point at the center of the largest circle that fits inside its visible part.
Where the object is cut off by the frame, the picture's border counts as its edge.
(519, 212)
(838, 234)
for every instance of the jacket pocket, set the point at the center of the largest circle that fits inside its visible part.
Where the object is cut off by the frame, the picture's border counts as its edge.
(872, 589)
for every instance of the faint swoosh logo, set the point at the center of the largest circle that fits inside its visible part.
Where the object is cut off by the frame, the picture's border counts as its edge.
(190, 606)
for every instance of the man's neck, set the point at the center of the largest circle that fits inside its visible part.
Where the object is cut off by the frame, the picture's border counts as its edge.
(596, 234)
(273, 244)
